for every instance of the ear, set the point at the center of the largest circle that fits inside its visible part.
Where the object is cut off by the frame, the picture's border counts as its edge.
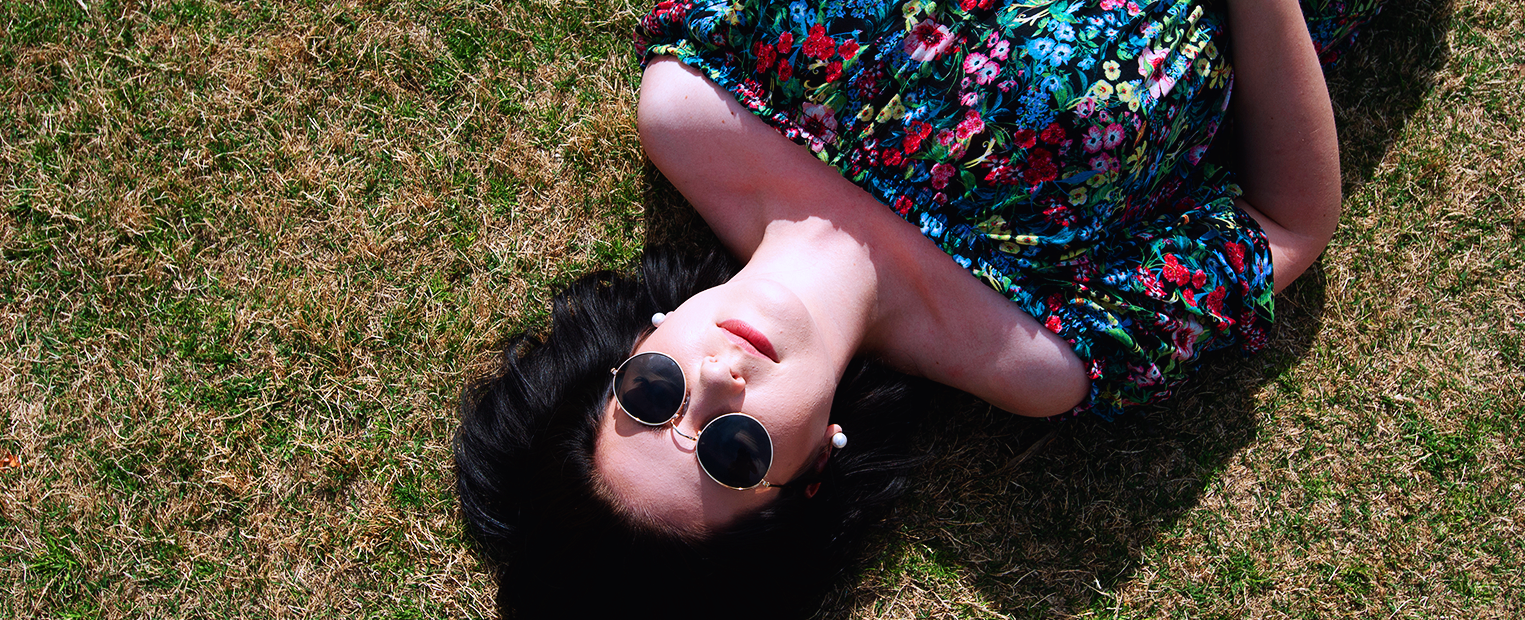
(820, 461)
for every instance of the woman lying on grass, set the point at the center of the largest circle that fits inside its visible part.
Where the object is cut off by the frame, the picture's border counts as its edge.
(678, 439)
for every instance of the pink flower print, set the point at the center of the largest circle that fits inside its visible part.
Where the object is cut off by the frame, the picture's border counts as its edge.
(1093, 139)
(1000, 50)
(1107, 5)
(1185, 338)
(927, 40)
(1112, 137)
(820, 124)
(971, 125)
(1151, 65)
(1085, 107)
(941, 174)
(974, 62)
(969, 99)
(1104, 163)
(1194, 154)
(987, 73)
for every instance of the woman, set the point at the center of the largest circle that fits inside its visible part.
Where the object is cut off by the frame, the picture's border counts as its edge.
(863, 159)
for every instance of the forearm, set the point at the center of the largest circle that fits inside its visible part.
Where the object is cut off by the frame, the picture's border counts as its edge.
(1289, 163)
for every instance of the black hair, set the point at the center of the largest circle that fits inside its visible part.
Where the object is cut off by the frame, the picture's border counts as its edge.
(524, 464)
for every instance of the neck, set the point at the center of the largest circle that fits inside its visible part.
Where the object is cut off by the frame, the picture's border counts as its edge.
(829, 270)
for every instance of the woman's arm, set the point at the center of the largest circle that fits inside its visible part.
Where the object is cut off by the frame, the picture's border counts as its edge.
(1289, 162)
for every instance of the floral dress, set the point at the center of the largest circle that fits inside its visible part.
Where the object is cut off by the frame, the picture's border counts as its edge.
(1057, 149)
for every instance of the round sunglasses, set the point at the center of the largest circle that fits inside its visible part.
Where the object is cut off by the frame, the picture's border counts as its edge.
(733, 449)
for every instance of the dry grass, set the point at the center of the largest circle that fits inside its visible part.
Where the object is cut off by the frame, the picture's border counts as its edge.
(252, 251)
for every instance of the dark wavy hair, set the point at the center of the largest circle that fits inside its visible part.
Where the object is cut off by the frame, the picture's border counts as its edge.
(524, 464)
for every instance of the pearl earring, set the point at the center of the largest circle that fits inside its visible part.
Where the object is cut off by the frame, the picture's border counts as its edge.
(656, 319)
(839, 440)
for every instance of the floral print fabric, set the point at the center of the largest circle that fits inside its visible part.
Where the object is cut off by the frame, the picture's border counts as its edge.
(1057, 149)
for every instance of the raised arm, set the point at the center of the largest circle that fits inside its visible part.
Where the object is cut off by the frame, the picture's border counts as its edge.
(1289, 155)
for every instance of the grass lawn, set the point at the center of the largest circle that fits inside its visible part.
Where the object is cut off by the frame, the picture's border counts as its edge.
(251, 252)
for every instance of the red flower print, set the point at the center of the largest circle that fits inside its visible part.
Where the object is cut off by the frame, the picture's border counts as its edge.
(913, 137)
(893, 157)
(818, 45)
(785, 70)
(903, 205)
(1199, 279)
(1215, 301)
(833, 70)
(1151, 284)
(1040, 167)
(1059, 214)
(765, 56)
(940, 175)
(1174, 272)
(785, 43)
(1003, 175)
(848, 49)
(1235, 253)
(1053, 134)
(1053, 323)
(1024, 138)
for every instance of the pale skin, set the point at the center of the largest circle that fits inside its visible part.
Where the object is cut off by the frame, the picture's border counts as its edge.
(832, 273)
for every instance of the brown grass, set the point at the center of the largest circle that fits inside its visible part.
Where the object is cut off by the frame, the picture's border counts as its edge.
(251, 254)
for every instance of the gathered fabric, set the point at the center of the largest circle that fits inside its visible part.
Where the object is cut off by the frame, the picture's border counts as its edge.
(1059, 150)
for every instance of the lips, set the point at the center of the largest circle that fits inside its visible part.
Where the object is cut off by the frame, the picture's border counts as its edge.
(749, 338)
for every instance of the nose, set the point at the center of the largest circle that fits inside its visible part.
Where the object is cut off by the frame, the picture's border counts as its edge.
(719, 390)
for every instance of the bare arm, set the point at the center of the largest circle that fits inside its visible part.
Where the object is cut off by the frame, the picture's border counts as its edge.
(1289, 159)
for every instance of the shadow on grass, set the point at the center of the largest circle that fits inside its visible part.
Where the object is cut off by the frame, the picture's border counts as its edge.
(1052, 517)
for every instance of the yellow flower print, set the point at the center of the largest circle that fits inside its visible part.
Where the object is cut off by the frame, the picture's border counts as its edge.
(1203, 68)
(1102, 90)
(1112, 69)
(893, 110)
(1127, 92)
(1078, 196)
(1211, 50)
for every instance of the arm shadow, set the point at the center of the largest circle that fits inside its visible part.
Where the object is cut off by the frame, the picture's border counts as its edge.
(1044, 518)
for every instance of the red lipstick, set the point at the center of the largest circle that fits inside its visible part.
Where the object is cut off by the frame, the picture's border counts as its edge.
(750, 338)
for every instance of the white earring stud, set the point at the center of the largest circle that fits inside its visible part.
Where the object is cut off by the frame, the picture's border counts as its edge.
(839, 440)
(656, 319)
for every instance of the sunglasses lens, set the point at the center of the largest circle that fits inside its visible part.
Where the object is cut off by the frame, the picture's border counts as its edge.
(649, 387)
(735, 450)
